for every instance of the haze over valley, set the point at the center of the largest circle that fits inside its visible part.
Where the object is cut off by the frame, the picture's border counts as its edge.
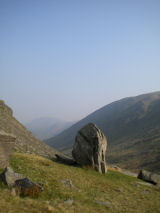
(46, 127)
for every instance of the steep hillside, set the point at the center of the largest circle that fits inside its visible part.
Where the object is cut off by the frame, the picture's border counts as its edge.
(132, 127)
(25, 140)
(88, 192)
(46, 127)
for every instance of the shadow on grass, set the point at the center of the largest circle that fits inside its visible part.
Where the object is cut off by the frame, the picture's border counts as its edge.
(65, 163)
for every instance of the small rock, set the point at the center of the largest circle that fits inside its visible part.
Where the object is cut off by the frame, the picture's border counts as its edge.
(68, 202)
(41, 184)
(67, 183)
(119, 190)
(104, 203)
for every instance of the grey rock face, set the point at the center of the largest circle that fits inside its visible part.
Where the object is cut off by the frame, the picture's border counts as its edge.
(149, 177)
(7, 142)
(90, 148)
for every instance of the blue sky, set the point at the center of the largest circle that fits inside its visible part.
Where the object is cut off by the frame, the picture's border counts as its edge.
(67, 58)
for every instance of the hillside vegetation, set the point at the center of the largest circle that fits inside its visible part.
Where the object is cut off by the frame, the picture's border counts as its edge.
(92, 191)
(132, 127)
(25, 141)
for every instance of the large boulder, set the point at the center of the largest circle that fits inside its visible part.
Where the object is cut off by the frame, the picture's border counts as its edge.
(7, 143)
(90, 148)
(149, 177)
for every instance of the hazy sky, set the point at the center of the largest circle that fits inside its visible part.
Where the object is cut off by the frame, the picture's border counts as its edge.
(67, 58)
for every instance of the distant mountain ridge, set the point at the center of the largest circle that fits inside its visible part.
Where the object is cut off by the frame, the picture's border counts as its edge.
(46, 127)
(132, 127)
(25, 141)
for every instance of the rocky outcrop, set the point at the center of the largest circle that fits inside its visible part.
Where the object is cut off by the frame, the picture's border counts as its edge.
(25, 141)
(149, 177)
(5, 108)
(7, 142)
(22, 185)
(90, 148)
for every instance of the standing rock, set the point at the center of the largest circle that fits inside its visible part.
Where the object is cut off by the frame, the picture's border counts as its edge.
(90, 148)
(7, 142)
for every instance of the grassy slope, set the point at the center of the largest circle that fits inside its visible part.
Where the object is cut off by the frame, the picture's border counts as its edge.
(133, 197)
(132, 128)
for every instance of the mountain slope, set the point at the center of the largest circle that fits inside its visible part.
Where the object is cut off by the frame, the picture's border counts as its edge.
(132, 127)
(25, 140)
(46, 127)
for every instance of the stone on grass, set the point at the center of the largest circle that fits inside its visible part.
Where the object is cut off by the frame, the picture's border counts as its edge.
(69, 202)
(19, 184)
(149, 177)
(68, 183)
(103, 203)
(26, 187)
(8, 177)
(90, 148)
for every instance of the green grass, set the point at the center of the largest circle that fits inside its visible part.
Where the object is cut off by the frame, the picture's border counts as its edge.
(121, 191)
